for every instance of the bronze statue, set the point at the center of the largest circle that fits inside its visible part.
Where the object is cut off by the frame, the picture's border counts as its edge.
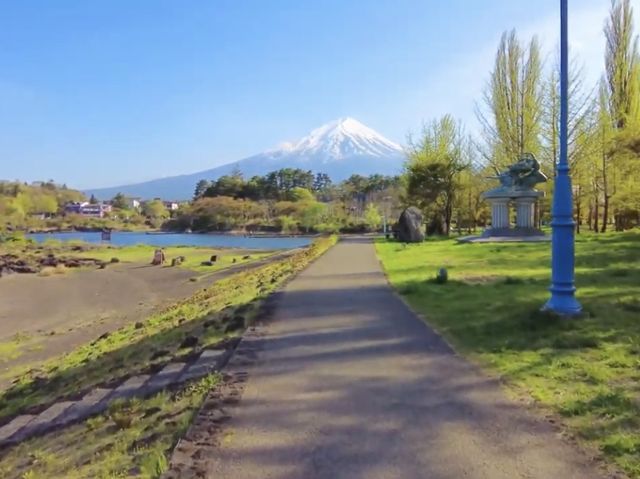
(523, 175)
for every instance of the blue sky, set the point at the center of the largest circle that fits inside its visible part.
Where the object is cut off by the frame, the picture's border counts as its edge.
(104, 92)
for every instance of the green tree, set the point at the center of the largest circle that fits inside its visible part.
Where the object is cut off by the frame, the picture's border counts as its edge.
(301, 194)
(619, 110)
(621, 60)
(312, 215)
(201, 188)
(511, 123)
(155, 210)
(227, 185)
(580, 116)
(321, 182)
(120, 201)
(372, 217)
(433, 168)
(43, 203)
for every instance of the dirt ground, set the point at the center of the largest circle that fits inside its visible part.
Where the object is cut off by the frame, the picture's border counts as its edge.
(42, 317)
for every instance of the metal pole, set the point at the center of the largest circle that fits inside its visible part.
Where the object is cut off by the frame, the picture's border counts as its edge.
(563, 300)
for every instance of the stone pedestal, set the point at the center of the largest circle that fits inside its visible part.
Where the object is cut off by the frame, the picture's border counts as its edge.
(523, 201)
(499, 212)
(525, 212)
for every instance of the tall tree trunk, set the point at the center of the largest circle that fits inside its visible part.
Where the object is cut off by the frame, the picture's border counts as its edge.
(605, 190)
(471, 215)
(605, 213)
(448, 213)
(596, 214)
(578, 212)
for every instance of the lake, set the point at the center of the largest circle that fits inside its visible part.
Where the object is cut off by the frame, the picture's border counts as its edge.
(179, 239)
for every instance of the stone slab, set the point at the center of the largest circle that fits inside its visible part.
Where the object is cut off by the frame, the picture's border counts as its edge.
(93, 402)
(206, 363)
(504, 239)
(511, 194)
(43, 422)
(129, 388)
(10, 429)
(169, 374)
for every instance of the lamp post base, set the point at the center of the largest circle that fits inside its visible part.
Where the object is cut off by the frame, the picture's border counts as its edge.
(563, 302)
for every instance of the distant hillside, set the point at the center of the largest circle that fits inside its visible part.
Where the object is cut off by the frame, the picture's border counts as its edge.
(340, 148)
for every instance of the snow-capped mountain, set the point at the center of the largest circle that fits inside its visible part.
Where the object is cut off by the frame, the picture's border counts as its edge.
(342, 139)
(339, 148)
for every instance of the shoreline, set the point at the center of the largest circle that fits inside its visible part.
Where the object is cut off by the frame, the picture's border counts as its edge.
(162, 232)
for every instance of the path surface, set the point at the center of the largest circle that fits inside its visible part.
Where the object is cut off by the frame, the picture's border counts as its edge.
(348, 383)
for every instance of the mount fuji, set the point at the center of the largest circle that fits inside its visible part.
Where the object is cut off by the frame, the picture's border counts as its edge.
(340, 149)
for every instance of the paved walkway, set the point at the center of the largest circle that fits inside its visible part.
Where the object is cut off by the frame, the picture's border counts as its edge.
(350, 384)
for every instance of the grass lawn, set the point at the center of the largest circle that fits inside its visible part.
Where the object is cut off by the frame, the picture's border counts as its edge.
(194, 256)
(587, 370)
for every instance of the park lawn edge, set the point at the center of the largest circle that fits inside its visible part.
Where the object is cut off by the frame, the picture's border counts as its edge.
(582, 373)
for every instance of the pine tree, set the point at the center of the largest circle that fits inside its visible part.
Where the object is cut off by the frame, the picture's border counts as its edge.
(201, 187)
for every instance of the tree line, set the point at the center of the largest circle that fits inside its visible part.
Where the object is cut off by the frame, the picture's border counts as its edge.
(519, 112)
(290, 200)
(24, 205)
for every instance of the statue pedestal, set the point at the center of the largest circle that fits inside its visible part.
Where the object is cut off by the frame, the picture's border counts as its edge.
(499, 212)
(524, 212)
(524, 202)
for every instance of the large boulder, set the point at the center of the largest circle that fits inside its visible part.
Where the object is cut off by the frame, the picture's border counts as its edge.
(410, 226)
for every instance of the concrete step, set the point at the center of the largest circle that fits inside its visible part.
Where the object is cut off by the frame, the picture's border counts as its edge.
(92, 403)
(96, 401)
(43, 422)
(168, 375)
(129, 388)
(205, 364)
(9, 430)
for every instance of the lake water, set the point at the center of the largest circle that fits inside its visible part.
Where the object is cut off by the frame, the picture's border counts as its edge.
(179, 239)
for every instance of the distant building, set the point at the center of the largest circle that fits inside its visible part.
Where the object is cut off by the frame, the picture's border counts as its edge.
(134, 203)
(99, 210)
(171, 205)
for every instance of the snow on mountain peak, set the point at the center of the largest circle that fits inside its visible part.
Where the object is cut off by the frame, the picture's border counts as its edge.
(340, 139)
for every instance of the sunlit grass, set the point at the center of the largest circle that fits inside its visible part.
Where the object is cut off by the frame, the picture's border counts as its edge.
(194, 256)
(108, 446)
(586, 370)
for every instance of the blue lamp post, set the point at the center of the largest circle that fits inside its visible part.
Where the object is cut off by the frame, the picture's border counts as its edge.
(563, 300)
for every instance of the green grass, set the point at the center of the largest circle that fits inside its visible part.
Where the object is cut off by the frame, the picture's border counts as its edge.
(14, 347)
(587, 370)
(194, 256)
(10, 350)
(30, 251)
(213, 314)
(133, 438)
